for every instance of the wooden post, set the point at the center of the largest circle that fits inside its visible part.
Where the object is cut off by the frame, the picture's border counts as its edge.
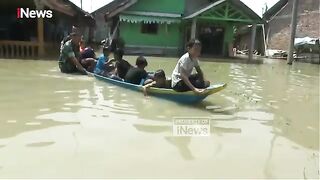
(264, 40)
(40, 38)
(252, 43)
(293, 31)
(194, 28)
(166, 28)
(39, 6)
(12, 50)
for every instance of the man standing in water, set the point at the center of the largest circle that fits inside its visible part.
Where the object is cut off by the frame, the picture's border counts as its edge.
(182, 79)
(69, 54)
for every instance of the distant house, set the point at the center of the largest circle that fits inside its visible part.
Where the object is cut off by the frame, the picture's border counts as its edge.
(104, 26)
(32, 38)
(164, 26)
(278, 20)
(243, 39)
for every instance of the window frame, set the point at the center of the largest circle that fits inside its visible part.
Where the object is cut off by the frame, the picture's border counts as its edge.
(146, 28)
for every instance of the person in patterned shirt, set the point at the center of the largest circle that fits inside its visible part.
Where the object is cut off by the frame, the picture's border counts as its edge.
(69, 54)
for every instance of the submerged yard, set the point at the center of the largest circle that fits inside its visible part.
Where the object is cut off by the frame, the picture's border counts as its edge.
(265, 124)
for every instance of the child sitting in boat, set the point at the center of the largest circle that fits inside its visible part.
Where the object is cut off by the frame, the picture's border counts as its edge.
(136, 74)
(159, 81)
(88, 59)
(105, 66)
(101, 66)
(110, 73)
(122, 66)
(182, 79)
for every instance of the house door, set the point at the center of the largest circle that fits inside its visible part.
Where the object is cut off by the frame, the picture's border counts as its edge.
(212, 40)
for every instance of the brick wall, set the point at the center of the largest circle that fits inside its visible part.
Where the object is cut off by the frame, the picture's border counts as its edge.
(278, 28)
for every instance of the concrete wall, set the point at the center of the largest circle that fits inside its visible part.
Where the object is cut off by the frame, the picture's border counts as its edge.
(278, 29)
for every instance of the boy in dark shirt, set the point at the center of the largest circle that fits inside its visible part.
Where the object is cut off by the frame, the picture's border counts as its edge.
(159, 80)
(122, 66)
(136, 74)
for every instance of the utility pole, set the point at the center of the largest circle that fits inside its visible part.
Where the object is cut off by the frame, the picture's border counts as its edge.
(193, 28)
(40, 30)
(252, 41)
(293, 31)
(81, 4)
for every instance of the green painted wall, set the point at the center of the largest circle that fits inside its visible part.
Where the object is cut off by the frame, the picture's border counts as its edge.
(131, 33)
(162, 6)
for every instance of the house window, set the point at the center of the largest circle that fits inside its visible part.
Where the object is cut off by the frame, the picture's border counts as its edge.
(149, 28)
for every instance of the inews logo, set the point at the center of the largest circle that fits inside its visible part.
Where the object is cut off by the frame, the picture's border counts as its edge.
(27, 13)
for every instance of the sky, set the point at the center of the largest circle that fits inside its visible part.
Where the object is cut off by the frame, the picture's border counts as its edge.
(255, 5)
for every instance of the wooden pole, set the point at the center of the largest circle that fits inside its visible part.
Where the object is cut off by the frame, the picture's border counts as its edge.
(252, 43)
(264, 41)
(40, 28)
(293, 31)
(194, 28)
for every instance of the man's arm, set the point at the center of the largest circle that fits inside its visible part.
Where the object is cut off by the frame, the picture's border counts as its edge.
(115, 72)
(200, 73)
(111, 60)
(77, 64)
(145, 87)
(186, 80)
(189, 84)
(71, 56)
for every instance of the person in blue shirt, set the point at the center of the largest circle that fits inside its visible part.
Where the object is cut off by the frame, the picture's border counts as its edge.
(102, 61)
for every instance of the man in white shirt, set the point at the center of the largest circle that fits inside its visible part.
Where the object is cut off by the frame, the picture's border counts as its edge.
(182, 79)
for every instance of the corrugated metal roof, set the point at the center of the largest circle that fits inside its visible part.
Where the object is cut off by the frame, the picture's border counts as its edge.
(115, 7)
(148, 19)
(157, 14)
(274, 9)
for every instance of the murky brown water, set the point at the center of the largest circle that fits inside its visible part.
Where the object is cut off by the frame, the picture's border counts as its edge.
(57, 125)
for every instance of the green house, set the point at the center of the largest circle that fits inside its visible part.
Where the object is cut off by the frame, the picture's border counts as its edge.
(162, 27)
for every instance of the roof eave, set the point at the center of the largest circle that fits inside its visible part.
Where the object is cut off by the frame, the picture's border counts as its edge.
(257, 19)
(201, 10)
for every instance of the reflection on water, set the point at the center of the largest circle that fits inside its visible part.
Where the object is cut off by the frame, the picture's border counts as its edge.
(40, 144)
(266, 122)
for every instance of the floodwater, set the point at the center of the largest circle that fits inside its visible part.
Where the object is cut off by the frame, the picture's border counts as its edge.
(265, 124)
